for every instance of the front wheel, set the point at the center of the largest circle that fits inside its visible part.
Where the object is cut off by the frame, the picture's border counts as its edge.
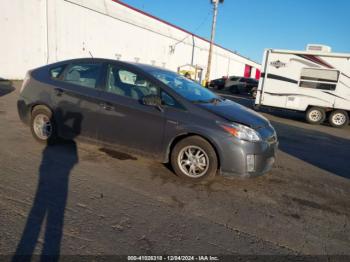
(194, 158)
(315, 115)
(339, 118)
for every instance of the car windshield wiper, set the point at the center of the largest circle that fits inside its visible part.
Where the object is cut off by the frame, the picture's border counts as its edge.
(215, 100)
(201, 101)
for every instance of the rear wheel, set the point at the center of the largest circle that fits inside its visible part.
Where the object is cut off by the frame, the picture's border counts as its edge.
(315, 115)
(194, 158)
(339, 118)
(42, 125)
(254, 92)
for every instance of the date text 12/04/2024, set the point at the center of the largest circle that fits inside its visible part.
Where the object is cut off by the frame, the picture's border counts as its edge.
(173, 258)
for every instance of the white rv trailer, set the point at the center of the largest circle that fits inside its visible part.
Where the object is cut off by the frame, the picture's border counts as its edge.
(314, 81)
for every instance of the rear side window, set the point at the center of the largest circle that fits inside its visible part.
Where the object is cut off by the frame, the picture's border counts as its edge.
(56, 72)
(319, 78)
(127, 77)
(83, 74)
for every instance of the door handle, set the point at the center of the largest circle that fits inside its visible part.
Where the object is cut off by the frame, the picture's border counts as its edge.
(107, 106)
(58, 91)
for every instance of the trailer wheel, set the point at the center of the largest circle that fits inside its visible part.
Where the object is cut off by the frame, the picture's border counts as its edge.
(315, 115)
(254, 93)
(338, 118)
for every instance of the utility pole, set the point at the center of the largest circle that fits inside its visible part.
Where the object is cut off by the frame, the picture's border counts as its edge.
(213, 29)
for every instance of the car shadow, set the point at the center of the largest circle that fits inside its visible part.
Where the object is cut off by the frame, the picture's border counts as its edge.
(325, 151)
(6, 87)
(47, 212)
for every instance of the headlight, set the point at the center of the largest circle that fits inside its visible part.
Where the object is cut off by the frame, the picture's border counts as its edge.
(242, 132)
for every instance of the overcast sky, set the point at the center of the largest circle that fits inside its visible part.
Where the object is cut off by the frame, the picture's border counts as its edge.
(250, 26)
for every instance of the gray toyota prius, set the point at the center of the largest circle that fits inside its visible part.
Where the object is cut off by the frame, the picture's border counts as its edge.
(148, 110)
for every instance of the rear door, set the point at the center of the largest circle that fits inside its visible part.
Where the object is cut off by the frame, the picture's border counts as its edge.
(76, 99)
(276, 80)
(125, 120)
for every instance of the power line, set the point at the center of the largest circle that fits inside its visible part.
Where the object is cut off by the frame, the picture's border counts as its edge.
(195, 30)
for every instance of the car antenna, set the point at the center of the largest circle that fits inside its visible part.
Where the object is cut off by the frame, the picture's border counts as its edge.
(91, 54)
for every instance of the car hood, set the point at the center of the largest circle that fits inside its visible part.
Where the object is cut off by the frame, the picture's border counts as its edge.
(234, 112)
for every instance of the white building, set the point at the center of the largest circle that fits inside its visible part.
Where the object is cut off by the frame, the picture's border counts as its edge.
(37, 32)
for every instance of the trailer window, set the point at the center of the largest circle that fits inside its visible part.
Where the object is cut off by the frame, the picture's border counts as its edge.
(319, 78)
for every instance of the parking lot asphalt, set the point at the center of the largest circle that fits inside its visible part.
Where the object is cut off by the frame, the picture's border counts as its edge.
(76, 198)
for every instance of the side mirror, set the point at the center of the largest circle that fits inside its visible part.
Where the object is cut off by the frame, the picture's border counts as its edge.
(152, 100)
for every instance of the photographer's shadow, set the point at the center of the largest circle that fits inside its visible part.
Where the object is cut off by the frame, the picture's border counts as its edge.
(58, 159)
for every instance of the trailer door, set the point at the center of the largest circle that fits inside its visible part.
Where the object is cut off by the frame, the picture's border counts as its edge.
(269, 90)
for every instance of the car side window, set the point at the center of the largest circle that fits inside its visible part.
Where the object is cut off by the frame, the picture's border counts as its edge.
(83, 74)
(126, 83)
(56, 72)
(168, 100)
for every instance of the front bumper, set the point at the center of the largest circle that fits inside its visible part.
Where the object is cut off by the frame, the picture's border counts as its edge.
(261, 154)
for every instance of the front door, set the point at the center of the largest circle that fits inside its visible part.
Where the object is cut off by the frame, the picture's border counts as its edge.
(125, 120)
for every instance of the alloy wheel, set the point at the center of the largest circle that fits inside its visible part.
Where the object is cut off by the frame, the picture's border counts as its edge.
(193, 161)
(42, 126)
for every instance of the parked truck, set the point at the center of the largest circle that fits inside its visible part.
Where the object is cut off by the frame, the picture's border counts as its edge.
(315, 81)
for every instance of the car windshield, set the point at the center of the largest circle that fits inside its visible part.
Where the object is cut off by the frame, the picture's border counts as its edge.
(187, 88)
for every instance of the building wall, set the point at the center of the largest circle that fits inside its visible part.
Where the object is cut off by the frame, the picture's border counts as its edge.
(45, 31)
(23, 30)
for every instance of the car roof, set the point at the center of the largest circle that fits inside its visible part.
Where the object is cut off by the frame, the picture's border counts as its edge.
(147, 67)
(106, 60)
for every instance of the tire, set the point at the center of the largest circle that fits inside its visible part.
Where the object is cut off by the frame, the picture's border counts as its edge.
(42, 119)
(204, 167)
(338, 118)
(256, 107)
(315, 115)
(254, 92)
